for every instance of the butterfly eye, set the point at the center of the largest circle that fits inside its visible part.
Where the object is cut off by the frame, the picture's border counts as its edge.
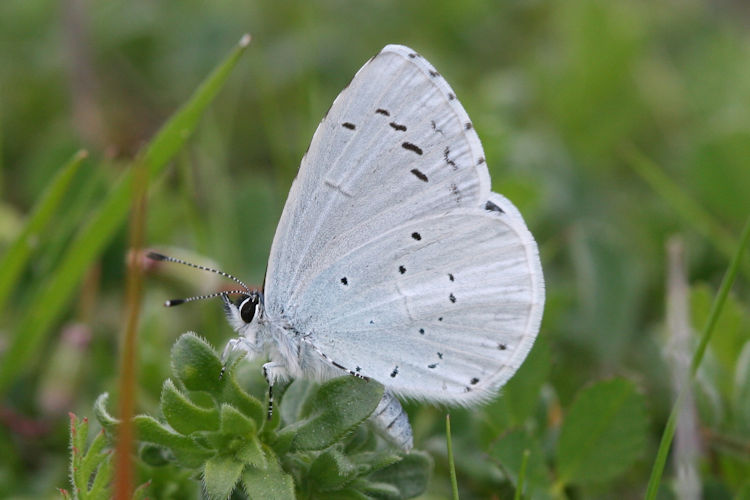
(247, 308)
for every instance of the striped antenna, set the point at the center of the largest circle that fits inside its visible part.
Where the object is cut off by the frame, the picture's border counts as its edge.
(177, 302)
(162, 257)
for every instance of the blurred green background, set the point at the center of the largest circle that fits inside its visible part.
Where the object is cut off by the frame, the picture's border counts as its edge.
(613, 126)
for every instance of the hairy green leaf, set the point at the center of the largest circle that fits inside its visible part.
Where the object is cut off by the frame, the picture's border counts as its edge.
(220, 474)
(196, 364)
(271, 482)
(334, 409)
(183, 415)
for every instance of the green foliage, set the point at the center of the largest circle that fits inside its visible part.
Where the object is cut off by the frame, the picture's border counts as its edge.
(91, 465)
(105, 221)
(603, 432)
(611, 125)
(211, 425)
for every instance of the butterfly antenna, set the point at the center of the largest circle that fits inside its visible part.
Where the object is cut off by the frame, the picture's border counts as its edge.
(162, 257)
(177, 302)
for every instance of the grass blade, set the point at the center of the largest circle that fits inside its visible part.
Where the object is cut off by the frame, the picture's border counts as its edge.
(15, 258)
(451, 465)
(685, 206)
(666, 439)
(522, 475)
(36, 323)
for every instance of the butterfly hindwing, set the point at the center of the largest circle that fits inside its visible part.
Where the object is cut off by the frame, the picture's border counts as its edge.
(442, 308)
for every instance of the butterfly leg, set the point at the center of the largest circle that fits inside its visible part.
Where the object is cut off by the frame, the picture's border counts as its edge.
(271, 372)
(235, 345)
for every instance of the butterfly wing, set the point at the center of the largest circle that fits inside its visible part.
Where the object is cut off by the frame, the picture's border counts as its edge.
(448, 316)
(395, 157)
(396, 144)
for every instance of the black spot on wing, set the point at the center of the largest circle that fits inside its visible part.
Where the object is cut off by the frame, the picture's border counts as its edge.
(456, 193)
(398, 126)
(419, 175)
(413, 55)
(394, 372)
(447, 159)
(451, 96)
(481, 160)
(416, 236)
(401, 269)
(421, 331)
(382, 111)
(468, 126)
(493, 208)
(474, 381)
(434, 73)
(502, 347)
(432, 365)
(412, 147)
(348, 125)
(452, 298)
(450, 277)
(344, 281)
(440, 355)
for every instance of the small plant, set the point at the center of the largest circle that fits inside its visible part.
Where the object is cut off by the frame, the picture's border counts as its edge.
(315, 446)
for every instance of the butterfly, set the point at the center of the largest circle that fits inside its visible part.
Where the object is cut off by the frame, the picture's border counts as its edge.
(392, 259)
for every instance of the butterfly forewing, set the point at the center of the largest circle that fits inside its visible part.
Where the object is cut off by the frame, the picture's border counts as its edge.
(393, 146)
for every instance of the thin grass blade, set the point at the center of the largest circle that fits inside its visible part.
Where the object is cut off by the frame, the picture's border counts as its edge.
(16, 257)
(666, 439)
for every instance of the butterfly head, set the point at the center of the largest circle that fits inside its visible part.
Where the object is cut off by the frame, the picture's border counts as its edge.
(245, 313)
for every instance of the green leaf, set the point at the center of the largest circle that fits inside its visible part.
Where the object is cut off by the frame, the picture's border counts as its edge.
(185, 450)
(353, 492)
(509, 450)
(251, 453)
(272, 482)
(95, 456)
(383, 491)
(370, 461)
(295, 396)
(183, 415)
(248, 405)
(410, 476)
(603, 433)
(220, 474)
(332, 470)
(235, 423)
(334, 409)
(196, 365)
(107, 421)
(16, 256)
(92, 469)
(58, 290)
